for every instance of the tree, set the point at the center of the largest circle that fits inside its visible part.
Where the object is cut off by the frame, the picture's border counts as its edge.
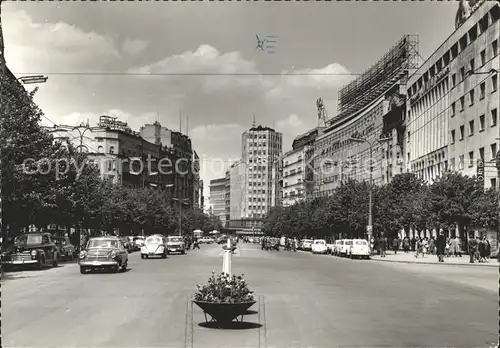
(451, 197)
(484, 210)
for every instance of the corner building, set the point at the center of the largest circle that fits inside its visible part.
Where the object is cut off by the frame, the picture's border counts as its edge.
(370, 108)
(453, 100)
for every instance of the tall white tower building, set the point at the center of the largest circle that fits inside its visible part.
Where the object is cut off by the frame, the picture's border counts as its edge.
(261, 150)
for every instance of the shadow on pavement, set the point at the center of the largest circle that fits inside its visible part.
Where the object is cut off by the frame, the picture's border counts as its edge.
(236, 325)
(250, 312)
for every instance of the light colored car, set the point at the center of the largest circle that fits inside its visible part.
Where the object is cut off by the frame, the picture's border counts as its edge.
(319, 246)
(307, 244)
(337, 247)
(359, 249)
(206, 240)
(154, 246)
(104, 253)
(175, 244)
(344, 250)
(139, 242)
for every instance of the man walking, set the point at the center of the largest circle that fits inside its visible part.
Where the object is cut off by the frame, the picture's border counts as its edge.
(472, 249)
(440, 246)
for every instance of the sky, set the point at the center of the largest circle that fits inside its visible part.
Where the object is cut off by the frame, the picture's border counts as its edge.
(120, 59)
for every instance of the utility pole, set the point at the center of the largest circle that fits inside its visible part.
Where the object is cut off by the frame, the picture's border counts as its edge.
(2, 77)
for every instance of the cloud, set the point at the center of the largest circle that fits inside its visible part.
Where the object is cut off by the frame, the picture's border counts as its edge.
(31, 46)
(133, 47)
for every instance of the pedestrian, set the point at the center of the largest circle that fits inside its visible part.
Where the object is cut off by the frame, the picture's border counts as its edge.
(196, 243)
(406, 244)
(425, 246)
(440, 246)
(455, 247)
(432, 246)
(413, 243)
(395, 245)
(417, 246)
(383, 245)
(472, 249)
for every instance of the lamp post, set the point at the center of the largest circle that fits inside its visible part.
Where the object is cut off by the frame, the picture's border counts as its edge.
(181, 202)
(369, 228)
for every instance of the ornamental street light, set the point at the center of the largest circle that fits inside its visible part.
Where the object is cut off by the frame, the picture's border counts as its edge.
(369, 228)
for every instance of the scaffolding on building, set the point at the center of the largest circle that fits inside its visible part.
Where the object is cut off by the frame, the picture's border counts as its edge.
(394, 65)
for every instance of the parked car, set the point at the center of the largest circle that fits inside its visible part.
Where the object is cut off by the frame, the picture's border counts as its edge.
(337, 247)
(359, 249)
(139, 242)
(32, 249)
(154, 246)
(66, 249)
(307, 244)
(221, 239)
(175, 244)
(206, 240)
(319, 246)
(104, 253)
(344, 250)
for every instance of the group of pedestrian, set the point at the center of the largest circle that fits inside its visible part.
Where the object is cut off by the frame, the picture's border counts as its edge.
(479, 249)
(191, 241)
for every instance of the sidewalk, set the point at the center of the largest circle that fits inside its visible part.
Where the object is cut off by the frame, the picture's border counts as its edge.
(402, 257)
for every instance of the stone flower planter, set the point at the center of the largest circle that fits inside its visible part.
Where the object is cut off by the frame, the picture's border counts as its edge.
(224, 313)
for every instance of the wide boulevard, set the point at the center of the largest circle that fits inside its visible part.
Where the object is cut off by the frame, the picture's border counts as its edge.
(304, 300)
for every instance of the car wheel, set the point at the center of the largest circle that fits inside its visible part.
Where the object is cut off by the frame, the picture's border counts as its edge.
(116, 269)
(164, 256)
(125, 265)
(83, 270)
(143, 256)
(183, 252)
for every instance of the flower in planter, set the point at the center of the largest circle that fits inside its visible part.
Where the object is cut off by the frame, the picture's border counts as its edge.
(224, 288)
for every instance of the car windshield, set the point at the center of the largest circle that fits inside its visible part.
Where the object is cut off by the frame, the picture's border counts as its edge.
(361, 242)
(320, 242)
(307, 241)
(28, 239)
(348, 242)
(102, 243)
(153, 240)
(174, 239)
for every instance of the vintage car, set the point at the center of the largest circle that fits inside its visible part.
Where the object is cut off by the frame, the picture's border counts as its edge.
(359, 249)
(206, 240)
(319, 247)
(104, 253)
(175, 244)
(32, 249)
(66, 249)
(154, 246)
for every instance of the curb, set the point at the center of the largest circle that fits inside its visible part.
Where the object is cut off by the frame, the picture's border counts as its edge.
(497, 265)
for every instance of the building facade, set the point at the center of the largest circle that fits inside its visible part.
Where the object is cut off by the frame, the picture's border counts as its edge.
(261, 150)
(218, 198)
(184, 160)
(453, 101)
(298, 168)
(237, 183)
(367, 135)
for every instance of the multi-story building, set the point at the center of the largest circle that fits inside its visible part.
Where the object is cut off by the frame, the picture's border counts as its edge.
(228, 197)
(218, 198)
(453, 100)
(261, 150)
(367, 134)
(184, 160)
(298, 168)
(237, 191)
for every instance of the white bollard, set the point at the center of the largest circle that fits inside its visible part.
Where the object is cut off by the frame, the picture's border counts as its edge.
(226, 259)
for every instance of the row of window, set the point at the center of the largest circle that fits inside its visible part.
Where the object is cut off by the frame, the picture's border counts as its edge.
(479, 28)
(471, 128)
(472, 94)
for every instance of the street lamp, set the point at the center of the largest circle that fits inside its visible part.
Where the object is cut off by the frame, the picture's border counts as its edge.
(369, 228)
(181, 202)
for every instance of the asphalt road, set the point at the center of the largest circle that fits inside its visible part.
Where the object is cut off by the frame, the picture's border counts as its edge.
(304, 301)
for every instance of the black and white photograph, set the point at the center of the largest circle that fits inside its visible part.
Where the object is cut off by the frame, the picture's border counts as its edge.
(249, 174)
